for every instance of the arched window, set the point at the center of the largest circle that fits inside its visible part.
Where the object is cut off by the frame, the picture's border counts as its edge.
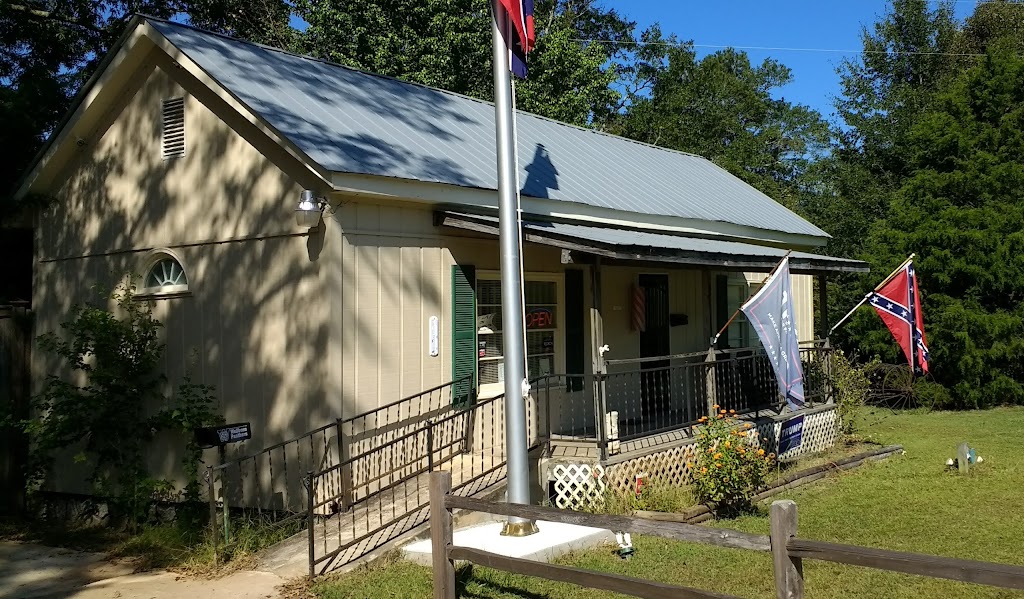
(164, 275)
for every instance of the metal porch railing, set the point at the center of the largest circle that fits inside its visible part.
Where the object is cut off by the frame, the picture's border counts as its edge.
(269, 488)
(645, 397)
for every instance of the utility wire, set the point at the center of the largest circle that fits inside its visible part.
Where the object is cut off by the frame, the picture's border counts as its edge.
(775, 48)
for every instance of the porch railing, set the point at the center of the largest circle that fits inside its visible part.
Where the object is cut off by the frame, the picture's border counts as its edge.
(468, 442)
(363, 454)
(649, 396)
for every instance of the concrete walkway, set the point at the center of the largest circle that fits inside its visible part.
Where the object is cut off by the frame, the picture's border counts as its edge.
(30, 571)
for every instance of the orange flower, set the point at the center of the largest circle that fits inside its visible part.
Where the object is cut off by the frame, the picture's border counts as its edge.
(727, 445)
(717, 465)
(704, 470)
(720, 416)
(689, 465)
(743, 451)
(721, 411)
(760, 452)
(732, 411)
(718, 456)
(749, 426)
(715, 406)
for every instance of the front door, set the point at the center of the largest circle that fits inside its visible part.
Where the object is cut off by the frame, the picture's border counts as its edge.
(654, 342)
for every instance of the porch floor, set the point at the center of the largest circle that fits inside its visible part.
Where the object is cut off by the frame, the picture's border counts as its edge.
(575, 448)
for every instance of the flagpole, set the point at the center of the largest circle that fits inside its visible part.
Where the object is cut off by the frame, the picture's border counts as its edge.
(868, 295)
(517, 455)
(714, 339)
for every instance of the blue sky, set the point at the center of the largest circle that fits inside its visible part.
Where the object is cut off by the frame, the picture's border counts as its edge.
(820, 24)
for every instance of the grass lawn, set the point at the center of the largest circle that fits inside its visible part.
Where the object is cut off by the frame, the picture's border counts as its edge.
(908, 503)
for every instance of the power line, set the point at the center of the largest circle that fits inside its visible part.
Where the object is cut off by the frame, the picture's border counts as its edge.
(775, 48)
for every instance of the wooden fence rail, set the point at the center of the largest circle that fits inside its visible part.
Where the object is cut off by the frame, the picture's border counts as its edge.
(788, 551)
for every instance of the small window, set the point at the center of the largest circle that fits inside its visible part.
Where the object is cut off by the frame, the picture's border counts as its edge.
(172, 133)
(740, 334)
(165, 275)
(541, 329)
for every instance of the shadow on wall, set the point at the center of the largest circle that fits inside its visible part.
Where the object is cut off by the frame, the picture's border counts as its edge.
(254, 321)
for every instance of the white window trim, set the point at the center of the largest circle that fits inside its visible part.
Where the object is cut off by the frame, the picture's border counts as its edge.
(152, 259)
(490, 390)
(750, 283)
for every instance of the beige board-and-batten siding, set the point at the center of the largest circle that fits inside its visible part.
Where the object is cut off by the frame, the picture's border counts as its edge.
(254, 320)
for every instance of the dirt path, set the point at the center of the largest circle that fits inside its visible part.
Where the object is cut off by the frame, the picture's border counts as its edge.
(30, 571)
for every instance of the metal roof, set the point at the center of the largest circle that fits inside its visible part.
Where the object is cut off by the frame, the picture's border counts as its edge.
(351, 121)
(629, 245)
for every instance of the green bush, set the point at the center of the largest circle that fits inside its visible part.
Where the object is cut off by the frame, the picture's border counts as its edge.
(730, 468)
(851, 386)
(120, 405)
(932, 395)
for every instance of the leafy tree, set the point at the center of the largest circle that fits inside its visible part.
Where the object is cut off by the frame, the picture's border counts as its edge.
(447, 44)
(905, 60)
(722, 107)
(962, 211)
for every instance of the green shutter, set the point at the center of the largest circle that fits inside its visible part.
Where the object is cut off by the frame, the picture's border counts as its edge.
(575, 343)
(463, 335)
(722, 307)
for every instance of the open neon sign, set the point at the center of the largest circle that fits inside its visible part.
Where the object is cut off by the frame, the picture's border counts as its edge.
(540, 318)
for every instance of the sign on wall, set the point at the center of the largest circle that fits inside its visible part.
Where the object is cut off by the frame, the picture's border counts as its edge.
(222, 435)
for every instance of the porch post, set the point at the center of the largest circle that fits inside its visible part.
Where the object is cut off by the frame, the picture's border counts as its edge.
(597, 356)
(823, 304)
(710, 393)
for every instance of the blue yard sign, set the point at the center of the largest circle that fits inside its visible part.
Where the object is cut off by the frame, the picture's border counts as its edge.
(792, 434)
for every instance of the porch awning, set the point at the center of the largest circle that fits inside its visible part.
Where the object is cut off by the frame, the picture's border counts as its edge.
(639, 246)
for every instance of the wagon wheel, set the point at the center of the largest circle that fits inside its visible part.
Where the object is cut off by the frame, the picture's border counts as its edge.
(892, 386)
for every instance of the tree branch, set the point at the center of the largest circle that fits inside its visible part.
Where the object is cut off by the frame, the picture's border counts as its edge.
(46, 15)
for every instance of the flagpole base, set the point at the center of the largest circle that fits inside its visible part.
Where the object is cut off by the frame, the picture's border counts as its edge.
(519, 529)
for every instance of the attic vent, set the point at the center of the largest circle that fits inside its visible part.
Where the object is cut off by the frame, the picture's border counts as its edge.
(172, 139)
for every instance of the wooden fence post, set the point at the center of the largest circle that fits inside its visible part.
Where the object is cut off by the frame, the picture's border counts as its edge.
(789, 571)
(441, 535)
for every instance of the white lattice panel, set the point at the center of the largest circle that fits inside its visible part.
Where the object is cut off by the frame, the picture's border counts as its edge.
(579, 486)
(667, 467)
(582, 485)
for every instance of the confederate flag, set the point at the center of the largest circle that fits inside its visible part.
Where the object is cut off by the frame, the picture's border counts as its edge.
(520, 37)
(899, 305)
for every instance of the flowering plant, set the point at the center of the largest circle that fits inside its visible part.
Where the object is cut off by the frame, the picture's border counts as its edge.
(729, 467)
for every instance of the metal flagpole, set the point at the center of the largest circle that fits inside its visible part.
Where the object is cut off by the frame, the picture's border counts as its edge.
(513, 333)
(868, 295)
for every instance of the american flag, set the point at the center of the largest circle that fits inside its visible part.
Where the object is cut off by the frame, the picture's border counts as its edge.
(520, 36)
(899, 304)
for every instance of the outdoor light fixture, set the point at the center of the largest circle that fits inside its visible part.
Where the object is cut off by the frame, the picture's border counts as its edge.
(310, 209)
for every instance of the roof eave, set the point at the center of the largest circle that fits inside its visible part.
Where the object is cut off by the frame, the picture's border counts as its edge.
(484, 202)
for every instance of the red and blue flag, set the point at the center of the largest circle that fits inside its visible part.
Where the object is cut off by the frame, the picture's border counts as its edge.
(520, 36)
(899, 304)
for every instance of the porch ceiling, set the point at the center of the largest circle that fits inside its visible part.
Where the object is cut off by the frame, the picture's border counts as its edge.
(639, 246)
